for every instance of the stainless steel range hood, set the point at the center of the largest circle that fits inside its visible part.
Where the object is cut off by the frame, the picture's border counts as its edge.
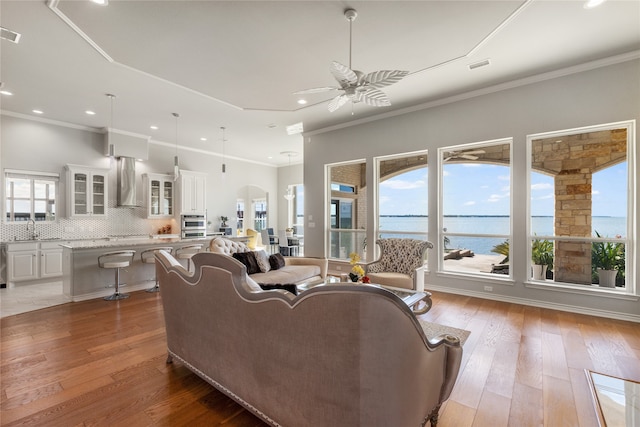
(127, 182)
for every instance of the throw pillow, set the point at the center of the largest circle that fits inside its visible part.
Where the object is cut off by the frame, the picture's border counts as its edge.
(249, 261)
(276, 261)
(263, 261)
(290, 288)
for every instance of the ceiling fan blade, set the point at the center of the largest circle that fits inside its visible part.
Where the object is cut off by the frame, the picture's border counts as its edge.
(337, 102)
(382, 78)
(316, 90)
(473, 152)
(374, 98)
(343, 74)
(468, 157)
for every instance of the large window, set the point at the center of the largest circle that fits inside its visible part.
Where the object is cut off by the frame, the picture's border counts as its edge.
(348, 210)
(581, 185)
(30, 195)
(475, 209)
(403, 200)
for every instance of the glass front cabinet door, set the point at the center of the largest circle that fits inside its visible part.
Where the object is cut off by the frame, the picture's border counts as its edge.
(160, 193)
(87, 191)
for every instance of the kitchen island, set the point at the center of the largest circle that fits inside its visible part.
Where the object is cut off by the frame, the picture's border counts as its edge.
(82, 279)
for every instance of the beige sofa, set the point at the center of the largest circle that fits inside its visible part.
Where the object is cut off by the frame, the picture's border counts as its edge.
(297, 270)
(335, 355)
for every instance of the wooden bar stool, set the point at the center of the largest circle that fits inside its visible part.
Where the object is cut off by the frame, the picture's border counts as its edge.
(148, 257)
(116, 260)
(186, 252)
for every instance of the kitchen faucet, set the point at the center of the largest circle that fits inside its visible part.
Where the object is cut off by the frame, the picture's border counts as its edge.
(31, 229)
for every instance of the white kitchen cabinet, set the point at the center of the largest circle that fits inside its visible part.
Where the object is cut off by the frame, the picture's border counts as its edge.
(50, 261)
(87, 191)
(193, 192)
(160, 193)
(33, 260)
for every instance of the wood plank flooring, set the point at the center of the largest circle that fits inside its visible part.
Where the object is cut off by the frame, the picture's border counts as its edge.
(102, 363)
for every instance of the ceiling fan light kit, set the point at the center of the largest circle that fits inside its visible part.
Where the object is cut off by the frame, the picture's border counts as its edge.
(355, 85)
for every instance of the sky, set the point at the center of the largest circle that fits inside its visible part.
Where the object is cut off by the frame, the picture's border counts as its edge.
(478, 189)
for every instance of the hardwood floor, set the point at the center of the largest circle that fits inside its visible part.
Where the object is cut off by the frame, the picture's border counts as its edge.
(103, 363)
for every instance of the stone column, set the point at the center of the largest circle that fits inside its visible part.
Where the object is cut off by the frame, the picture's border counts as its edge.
(572, 259)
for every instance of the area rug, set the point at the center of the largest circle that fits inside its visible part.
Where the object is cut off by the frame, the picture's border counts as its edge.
(432, 330)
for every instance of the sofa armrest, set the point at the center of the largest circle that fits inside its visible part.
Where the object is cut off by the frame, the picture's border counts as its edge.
(323, 263)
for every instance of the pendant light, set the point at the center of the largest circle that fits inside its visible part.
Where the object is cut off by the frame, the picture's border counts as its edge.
(176, 167)
(111, 146)
(224, 166)
(289, 196)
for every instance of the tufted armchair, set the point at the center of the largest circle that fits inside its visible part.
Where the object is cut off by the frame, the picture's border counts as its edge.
(401, 263)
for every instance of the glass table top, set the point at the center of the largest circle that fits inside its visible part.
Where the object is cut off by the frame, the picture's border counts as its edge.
(617, 401)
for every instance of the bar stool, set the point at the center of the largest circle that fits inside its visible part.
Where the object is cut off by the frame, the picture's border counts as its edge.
(186, 252)
(148, 257)
(116, 260)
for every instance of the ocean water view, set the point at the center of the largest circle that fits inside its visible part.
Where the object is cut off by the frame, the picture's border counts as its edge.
(541, 226)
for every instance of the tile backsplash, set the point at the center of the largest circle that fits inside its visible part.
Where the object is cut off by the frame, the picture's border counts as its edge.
(119, 222)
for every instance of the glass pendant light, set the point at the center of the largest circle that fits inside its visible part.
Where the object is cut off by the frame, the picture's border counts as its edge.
(289, 196)
(112, 156)
(176, 165)
(224, 165)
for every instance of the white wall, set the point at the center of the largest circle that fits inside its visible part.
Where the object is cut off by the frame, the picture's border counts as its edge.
(602, 95)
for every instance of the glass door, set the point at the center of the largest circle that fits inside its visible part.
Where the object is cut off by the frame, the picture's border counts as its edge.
(98, 194)
(154, 194)
(80, 193)
(167, 200)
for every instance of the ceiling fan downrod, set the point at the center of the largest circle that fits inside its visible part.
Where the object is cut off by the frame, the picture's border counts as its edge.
(351, 15)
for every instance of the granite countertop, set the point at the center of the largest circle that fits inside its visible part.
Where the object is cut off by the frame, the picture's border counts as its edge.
(128, 241)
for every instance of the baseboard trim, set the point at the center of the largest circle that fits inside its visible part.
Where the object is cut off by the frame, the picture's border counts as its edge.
(540, 304)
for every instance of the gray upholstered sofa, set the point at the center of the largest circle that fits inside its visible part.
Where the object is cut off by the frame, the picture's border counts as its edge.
(297, 270)
(334, 355)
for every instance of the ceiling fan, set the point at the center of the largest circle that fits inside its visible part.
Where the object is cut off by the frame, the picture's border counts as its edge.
(464, 154)
(355, 85)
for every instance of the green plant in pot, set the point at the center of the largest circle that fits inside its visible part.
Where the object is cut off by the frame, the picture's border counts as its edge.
(606, 259)
(542, 258)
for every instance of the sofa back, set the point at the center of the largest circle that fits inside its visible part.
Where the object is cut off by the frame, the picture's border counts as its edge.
(335, 355)
(224, 246)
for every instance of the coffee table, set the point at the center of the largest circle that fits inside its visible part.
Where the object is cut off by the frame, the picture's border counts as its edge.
(419, 301)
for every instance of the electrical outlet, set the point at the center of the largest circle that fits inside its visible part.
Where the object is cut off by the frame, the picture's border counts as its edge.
(488, 288)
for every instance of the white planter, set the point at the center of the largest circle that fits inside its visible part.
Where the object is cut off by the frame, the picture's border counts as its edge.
(607, 278)
(539, 272)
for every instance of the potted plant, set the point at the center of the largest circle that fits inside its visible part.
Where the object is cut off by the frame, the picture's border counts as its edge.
(606, 258)
(542, 258)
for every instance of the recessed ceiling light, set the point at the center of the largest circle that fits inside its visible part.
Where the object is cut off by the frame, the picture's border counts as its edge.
(269, 157)
(101, 2)
(91, 113)
(590, 4)
(6, 92)
(203, 139)
(153, 127)
(38, 111)
(302, 101)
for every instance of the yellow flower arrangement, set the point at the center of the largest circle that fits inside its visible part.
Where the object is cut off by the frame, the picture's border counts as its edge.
(356, 271)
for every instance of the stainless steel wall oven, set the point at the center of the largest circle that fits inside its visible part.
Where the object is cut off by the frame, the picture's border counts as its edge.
(193, 226)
